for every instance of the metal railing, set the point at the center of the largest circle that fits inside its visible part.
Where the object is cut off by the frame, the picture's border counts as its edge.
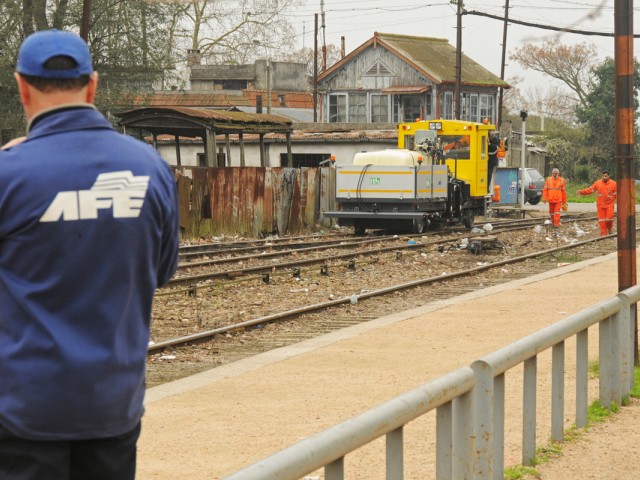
(470, 404)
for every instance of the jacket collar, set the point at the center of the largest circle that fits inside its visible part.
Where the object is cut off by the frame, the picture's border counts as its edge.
(66, 117)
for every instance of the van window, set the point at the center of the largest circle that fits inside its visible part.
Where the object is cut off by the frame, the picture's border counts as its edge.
(534, 174)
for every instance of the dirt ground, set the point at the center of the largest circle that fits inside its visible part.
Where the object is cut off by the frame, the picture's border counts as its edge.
(212, 424)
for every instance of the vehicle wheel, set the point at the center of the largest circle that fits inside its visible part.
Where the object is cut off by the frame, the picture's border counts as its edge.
(468, 219)
(534, 201)
(418, 226)
(359, 229)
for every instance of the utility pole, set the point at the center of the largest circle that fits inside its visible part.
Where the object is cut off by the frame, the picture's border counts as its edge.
(456, 95)
(502, 65)
(315, 70)
(523, 116)
(625, 160)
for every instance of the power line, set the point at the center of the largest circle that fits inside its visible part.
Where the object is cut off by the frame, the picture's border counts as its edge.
(537, 25)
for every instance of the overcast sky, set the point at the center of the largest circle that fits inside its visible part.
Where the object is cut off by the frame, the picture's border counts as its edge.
(357, 20)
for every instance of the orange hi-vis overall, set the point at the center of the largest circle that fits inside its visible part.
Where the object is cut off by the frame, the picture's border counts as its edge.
(555, 192)
(605, 202)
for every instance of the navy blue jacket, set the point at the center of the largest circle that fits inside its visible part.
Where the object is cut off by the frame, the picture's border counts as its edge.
(88, 230)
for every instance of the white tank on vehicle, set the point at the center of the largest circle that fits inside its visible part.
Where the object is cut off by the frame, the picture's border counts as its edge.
(388, 156)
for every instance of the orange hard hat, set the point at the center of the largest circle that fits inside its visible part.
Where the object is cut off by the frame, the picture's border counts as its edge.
(486, 121)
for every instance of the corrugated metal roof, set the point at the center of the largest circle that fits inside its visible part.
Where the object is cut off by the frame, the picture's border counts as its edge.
(433, 57)
(195, 121)
(409, 89)
(244, 99)
(298, 136)
(298, 115)
(189, 99)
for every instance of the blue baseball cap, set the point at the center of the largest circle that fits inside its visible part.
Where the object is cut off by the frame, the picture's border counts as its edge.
(41, 46)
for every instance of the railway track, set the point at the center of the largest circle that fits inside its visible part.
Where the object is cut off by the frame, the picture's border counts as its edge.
(358, 247)
(289, 322)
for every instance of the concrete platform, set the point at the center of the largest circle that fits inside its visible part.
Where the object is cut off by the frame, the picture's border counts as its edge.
(214, 423)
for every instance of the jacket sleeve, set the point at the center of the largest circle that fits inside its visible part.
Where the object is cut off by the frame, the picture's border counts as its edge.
(588, 190)
(564, 191)
(545, 190)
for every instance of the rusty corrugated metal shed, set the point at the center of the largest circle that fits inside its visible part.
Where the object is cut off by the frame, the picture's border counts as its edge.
(433, 57)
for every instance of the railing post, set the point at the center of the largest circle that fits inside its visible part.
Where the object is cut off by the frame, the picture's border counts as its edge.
(395, 457)
(626, 350)
(444, 441)
(498, 427)
(483, 420)
(334, 470)
(463, 440)
(604, 347)
(529, 410)
(557, 392)
(582, 378)
(616, 361)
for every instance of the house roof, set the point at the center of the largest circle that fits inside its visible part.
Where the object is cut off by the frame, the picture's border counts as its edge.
(191, 122)
(188, 99)
(245, 98)
(301, 136)
(435, 58)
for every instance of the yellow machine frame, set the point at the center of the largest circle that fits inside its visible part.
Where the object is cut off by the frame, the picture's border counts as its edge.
(471, 170)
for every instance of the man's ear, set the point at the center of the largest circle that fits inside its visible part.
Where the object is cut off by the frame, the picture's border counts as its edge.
(92, 87)
(23, 89)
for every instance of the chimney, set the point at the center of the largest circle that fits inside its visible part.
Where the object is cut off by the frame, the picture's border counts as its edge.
(194, 57)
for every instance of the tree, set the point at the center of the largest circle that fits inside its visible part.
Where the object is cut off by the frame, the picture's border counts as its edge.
(305, 55)
(127, 39)
(236, 34)
(570, 64)
(598, 113)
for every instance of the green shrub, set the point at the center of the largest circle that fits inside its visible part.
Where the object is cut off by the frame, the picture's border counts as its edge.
(584, 174)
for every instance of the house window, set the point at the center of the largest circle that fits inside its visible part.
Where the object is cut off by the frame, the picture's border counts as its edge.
(487, 107)
(395, 115)
(428, 106)
(337, 108)
(469, 105)
(379, 108)
(411, 107)
(473, 108)
(358, 108)
(447, 105)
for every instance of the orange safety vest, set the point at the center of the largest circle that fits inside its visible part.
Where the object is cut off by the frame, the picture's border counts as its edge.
(605, 192)
(554, 190)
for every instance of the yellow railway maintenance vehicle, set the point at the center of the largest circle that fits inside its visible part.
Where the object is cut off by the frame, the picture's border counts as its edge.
(437, 175)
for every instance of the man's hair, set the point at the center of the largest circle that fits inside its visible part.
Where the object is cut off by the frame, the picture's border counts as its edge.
(48, 85)
(605, 172)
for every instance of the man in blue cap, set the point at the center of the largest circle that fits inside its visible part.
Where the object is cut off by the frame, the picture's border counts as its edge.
(88, 231)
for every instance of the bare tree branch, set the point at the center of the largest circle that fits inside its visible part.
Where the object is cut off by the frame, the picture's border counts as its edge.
(569, 64)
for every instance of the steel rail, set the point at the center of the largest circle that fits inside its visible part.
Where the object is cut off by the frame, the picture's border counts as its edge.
(374, 293)
(191, 279)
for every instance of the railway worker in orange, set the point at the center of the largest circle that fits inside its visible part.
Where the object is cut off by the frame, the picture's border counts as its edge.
(555, 192)
(606, 192)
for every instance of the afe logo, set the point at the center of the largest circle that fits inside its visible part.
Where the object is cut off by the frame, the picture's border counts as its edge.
(122, 192)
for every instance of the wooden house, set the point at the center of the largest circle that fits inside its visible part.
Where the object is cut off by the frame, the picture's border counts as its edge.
(397, 78)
